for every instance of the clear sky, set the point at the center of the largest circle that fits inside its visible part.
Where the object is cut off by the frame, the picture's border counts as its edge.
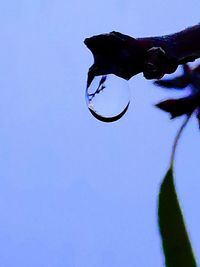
(75, 192)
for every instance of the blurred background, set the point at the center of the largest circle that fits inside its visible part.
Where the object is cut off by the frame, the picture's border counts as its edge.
(75, 191)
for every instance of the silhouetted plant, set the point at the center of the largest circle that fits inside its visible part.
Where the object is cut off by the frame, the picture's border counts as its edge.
(125, 56)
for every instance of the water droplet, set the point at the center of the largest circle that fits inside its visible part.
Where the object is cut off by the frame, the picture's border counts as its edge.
(108, 97)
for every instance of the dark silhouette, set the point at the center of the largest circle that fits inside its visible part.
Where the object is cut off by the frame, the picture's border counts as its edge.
(126, 56)
(186, 105)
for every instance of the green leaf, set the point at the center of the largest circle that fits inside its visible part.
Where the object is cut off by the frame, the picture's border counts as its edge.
(175, 240)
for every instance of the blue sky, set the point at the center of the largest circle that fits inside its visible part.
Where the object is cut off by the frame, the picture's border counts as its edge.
(74, 191)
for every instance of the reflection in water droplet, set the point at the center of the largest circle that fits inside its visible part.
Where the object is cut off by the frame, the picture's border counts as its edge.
(108, 97)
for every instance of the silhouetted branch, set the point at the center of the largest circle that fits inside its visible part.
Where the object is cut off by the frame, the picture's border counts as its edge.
(126, 56)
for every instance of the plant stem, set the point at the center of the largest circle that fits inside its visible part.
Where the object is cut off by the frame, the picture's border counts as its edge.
(177, 138)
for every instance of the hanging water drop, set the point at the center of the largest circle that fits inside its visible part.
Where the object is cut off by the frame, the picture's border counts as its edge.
(108, 97)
